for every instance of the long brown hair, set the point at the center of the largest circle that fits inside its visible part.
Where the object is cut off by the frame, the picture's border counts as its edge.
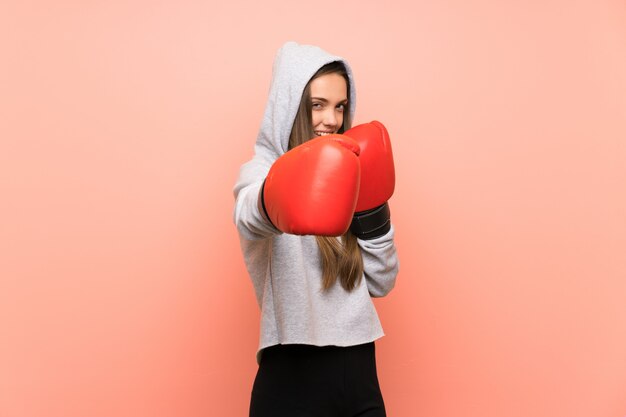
(340, 257)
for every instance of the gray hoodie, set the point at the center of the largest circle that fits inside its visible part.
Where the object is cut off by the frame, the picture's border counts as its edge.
(286, 269)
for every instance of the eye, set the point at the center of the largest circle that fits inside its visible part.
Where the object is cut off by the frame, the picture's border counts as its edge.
(316, 105)
(341, 107)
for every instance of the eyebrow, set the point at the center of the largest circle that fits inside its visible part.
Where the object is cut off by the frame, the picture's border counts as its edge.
(326, 101)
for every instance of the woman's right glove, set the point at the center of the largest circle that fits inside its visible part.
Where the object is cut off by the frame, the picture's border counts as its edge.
(312, 189)
(372, 217)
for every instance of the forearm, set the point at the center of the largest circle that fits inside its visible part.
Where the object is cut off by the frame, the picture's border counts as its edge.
(380, 263)
(250, 221)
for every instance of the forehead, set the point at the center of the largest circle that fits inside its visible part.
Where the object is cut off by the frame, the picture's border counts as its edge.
(330, 86)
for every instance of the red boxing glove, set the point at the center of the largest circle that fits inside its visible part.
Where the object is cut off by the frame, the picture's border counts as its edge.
(372, 216)
(312, 189)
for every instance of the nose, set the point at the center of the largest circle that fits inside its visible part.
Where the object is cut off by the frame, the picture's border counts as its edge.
(330, 118)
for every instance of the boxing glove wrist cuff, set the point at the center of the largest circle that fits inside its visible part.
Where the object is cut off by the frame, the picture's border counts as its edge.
(261, 205)
(372, 223)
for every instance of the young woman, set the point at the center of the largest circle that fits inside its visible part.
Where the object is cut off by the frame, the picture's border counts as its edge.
(313, 220)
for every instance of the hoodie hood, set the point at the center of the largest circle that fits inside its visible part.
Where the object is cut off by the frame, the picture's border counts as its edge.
(293, 67)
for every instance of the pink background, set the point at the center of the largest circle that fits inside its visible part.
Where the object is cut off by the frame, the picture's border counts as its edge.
(123, 124)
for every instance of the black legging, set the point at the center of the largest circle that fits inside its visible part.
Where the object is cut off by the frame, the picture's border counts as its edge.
(311, 381)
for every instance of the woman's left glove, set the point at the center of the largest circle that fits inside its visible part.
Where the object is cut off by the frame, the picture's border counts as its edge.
(372, 217)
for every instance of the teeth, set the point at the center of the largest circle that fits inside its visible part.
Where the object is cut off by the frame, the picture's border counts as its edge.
(323, 133)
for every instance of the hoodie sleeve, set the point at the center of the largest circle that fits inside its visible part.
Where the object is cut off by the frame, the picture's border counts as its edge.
(380, 263)
(250, 222)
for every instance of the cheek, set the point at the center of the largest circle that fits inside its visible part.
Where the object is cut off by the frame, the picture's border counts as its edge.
(316, 118)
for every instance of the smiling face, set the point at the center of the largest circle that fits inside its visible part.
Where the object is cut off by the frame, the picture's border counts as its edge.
(329, 99)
